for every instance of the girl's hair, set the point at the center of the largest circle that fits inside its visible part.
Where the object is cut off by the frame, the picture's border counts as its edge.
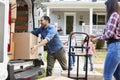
(112, 6)
(85, 40)
(71, 34)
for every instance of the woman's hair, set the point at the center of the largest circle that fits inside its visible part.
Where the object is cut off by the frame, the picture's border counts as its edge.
(112, 6)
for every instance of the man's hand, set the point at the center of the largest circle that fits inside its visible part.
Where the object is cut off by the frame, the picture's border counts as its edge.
(34, 49)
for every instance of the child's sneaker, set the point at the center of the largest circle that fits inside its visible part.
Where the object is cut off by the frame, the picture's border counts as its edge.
(91, 69)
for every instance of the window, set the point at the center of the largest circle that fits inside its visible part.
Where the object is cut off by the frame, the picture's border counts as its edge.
(101, 19)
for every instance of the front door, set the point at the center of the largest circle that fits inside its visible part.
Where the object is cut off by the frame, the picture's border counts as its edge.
(69, 24)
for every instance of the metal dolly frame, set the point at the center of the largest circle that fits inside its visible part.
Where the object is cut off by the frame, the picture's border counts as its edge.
(86, 56)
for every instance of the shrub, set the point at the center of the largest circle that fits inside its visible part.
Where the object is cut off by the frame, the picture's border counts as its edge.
(100, 44)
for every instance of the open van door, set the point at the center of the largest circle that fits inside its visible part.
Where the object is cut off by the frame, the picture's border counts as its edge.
(4, 37)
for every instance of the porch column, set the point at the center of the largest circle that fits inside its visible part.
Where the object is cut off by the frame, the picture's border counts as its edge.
(91, 20)
(48, 11)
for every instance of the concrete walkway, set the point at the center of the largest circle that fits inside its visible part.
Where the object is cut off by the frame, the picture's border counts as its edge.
(94, 75)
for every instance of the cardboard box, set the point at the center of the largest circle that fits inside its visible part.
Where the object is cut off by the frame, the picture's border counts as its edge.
(23, 42)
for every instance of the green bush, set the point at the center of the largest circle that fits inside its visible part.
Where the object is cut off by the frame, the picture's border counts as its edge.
(100, 44)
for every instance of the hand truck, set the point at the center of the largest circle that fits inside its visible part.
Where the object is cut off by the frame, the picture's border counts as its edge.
(78, 55)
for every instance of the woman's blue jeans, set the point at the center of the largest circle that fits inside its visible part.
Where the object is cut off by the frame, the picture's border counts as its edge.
(112, 62)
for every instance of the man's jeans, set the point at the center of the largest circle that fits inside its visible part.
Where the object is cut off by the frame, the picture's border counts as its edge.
(112, 62)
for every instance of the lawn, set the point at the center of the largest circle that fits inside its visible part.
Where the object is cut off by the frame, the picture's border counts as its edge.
(99, 57)
(45, 56)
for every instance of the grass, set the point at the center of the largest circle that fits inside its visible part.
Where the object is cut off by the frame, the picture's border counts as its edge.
(41, 76)
(45, 56)
(99, 70)
(100, 57)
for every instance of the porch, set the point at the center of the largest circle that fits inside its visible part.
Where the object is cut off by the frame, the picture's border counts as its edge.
(70, 16)
(96, 30)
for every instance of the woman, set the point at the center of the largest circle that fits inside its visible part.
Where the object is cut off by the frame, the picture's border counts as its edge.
(112, 36)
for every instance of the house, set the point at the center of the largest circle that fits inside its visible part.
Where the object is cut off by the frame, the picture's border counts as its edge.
(87, 16)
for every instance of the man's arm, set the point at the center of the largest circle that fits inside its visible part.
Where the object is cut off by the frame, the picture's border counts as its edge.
(36, 32)
(42, 43)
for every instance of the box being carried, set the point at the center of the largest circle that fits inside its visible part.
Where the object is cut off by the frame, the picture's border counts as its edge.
(23, 42)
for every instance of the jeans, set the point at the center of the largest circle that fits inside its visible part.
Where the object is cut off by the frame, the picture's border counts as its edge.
(112, 62)
(72, 61)
(91, 63)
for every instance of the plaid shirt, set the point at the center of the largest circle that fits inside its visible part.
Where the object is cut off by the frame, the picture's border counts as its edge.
(112, 29)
